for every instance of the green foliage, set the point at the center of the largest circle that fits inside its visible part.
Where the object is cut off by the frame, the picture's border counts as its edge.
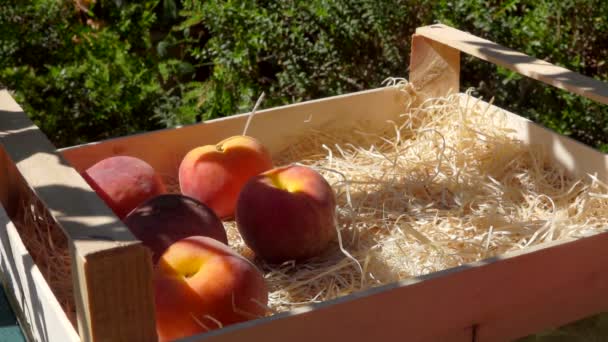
(121, 67)
(294, 50)
(80, 83)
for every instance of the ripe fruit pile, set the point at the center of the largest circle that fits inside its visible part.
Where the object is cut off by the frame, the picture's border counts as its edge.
(283, 213)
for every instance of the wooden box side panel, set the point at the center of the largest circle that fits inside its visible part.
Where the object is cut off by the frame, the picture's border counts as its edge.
(556, 284)
(494, 300)
(579, 160)
(276, 128)
(40, 315)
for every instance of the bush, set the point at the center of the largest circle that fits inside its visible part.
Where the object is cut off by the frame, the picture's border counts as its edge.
(80, 81)
(292, 50)
(121, 67)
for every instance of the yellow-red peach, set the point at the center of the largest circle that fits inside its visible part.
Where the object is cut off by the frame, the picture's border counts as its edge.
(215, 174)
(165, 219)
(287, 213)
(202, 284)
(124, 182)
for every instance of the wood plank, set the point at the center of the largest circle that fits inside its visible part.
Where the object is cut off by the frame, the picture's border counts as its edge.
(499, 299)
(434, 68)
(276, 128)
(578, 159)
(40, 315)
(376, 330)
(389, 313)
(112, 270)
(534, 292)
(534, 68)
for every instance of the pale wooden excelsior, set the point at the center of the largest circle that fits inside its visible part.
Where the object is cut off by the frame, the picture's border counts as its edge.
(35, 305)
(112, 270)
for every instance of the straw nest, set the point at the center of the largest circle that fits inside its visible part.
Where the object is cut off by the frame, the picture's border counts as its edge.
(442, 185)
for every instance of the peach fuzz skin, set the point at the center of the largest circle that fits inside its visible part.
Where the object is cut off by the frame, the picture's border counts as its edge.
(287, 213)
(199, 281)
(215, 174)
(124, 182)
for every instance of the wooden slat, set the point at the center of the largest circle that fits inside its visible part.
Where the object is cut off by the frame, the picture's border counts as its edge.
(434, 68)
(516, 61)
(499, 299)
(40, 315)
(578, 159)
(276, 128)
(112, 270)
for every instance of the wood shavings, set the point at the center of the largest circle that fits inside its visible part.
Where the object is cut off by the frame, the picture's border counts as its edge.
(48, 247)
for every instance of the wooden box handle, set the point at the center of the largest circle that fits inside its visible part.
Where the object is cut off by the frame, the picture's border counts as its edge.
(435, 64)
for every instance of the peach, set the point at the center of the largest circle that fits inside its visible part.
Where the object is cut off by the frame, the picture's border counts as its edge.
(215, 174)
(165, 219)
(287, 213)
(123, 182)
(202, 284)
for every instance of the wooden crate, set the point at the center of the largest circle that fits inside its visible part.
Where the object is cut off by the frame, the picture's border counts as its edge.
(496, 299)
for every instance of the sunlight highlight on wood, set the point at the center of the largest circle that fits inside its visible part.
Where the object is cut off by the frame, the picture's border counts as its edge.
(516, 61)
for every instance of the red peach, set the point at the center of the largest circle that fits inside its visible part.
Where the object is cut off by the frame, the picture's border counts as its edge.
(287, 213)
(123, 182)
(166, 219)
(215, 174)
(201, 284)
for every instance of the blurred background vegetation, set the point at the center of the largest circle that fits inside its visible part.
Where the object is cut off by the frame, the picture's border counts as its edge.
(86, 70)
